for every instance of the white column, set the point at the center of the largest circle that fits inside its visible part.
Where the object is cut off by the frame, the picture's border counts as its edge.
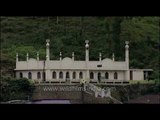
(57, 74)
(27, 57)
(47, 70)
(103, 74)
(48, 75)
(16, 57)
(71, 75)
(64, 76)
(87, 50)
(16, 62)
(100, 56)
(95, 76)
(111, 75)
(60, 56)
(87, 59)
(73, 56)
(113, 56)
(77, 76)
(47, 50)
(37, 56)
(127, 61)
(127, 53)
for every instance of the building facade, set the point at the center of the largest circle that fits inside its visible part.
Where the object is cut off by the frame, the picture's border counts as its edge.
(71, 70)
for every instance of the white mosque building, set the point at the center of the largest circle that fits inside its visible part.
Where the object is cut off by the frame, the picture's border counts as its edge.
(69, 70)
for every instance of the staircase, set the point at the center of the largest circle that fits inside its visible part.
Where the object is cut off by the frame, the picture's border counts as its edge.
(91, 94)
(99, 92)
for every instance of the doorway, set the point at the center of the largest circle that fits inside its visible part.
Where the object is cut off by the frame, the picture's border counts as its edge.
(67, 76)
(99, 77)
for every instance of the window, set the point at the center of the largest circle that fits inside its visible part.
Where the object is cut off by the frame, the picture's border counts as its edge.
(54, 75)
(61, 75)
(38, 75)
(115, 75)
(106, 75)
(91, 75)
(67, 74)
(21, 75)
(74, 75)
(29, 75)
(80, 75)
(99, 76)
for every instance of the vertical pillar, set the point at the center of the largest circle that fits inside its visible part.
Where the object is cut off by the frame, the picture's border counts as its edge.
(73, 56)
(113, 58)
(16, 57)
(37, 56)
(127, 75)
(16, 74)
(71, 76)
(60, 56)
(64, 76)
(48, 76)
(77, 75)
(57, 75)
(87, 59)
(87, 50)
(27, 57)
(47, 50)
(100, 57)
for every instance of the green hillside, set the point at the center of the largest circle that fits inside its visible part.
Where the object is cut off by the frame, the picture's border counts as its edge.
(67, 34)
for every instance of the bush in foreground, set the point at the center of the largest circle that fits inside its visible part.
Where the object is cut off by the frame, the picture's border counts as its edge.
(12, 89)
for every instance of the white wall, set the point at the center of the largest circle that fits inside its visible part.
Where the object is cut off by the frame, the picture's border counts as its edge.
(121, 75)
(111, 75)
(25, 74)
(138, 75)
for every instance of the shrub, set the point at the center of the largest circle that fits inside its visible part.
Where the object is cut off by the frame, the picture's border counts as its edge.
(12, 88)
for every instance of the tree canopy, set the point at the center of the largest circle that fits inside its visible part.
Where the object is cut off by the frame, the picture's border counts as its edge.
(67, 34)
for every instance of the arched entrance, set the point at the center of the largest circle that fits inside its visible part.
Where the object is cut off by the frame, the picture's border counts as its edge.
(67, 76)
(99, 77)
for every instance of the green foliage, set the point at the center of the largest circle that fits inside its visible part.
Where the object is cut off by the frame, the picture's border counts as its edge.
(67, 34)
(142, 82)
(12, 89)
(124, 93)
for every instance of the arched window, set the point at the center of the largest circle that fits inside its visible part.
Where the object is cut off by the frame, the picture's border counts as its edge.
(21, 75)
(61, 75)
(115, 75)
(99, 76)
(38, 75)
(74, 75)
(91, 75)
(80, 75)
(106, 75)
(54, 75)
(29, 75)
(67, 75)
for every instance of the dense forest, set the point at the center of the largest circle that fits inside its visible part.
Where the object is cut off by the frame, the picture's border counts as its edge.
(67, 34)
